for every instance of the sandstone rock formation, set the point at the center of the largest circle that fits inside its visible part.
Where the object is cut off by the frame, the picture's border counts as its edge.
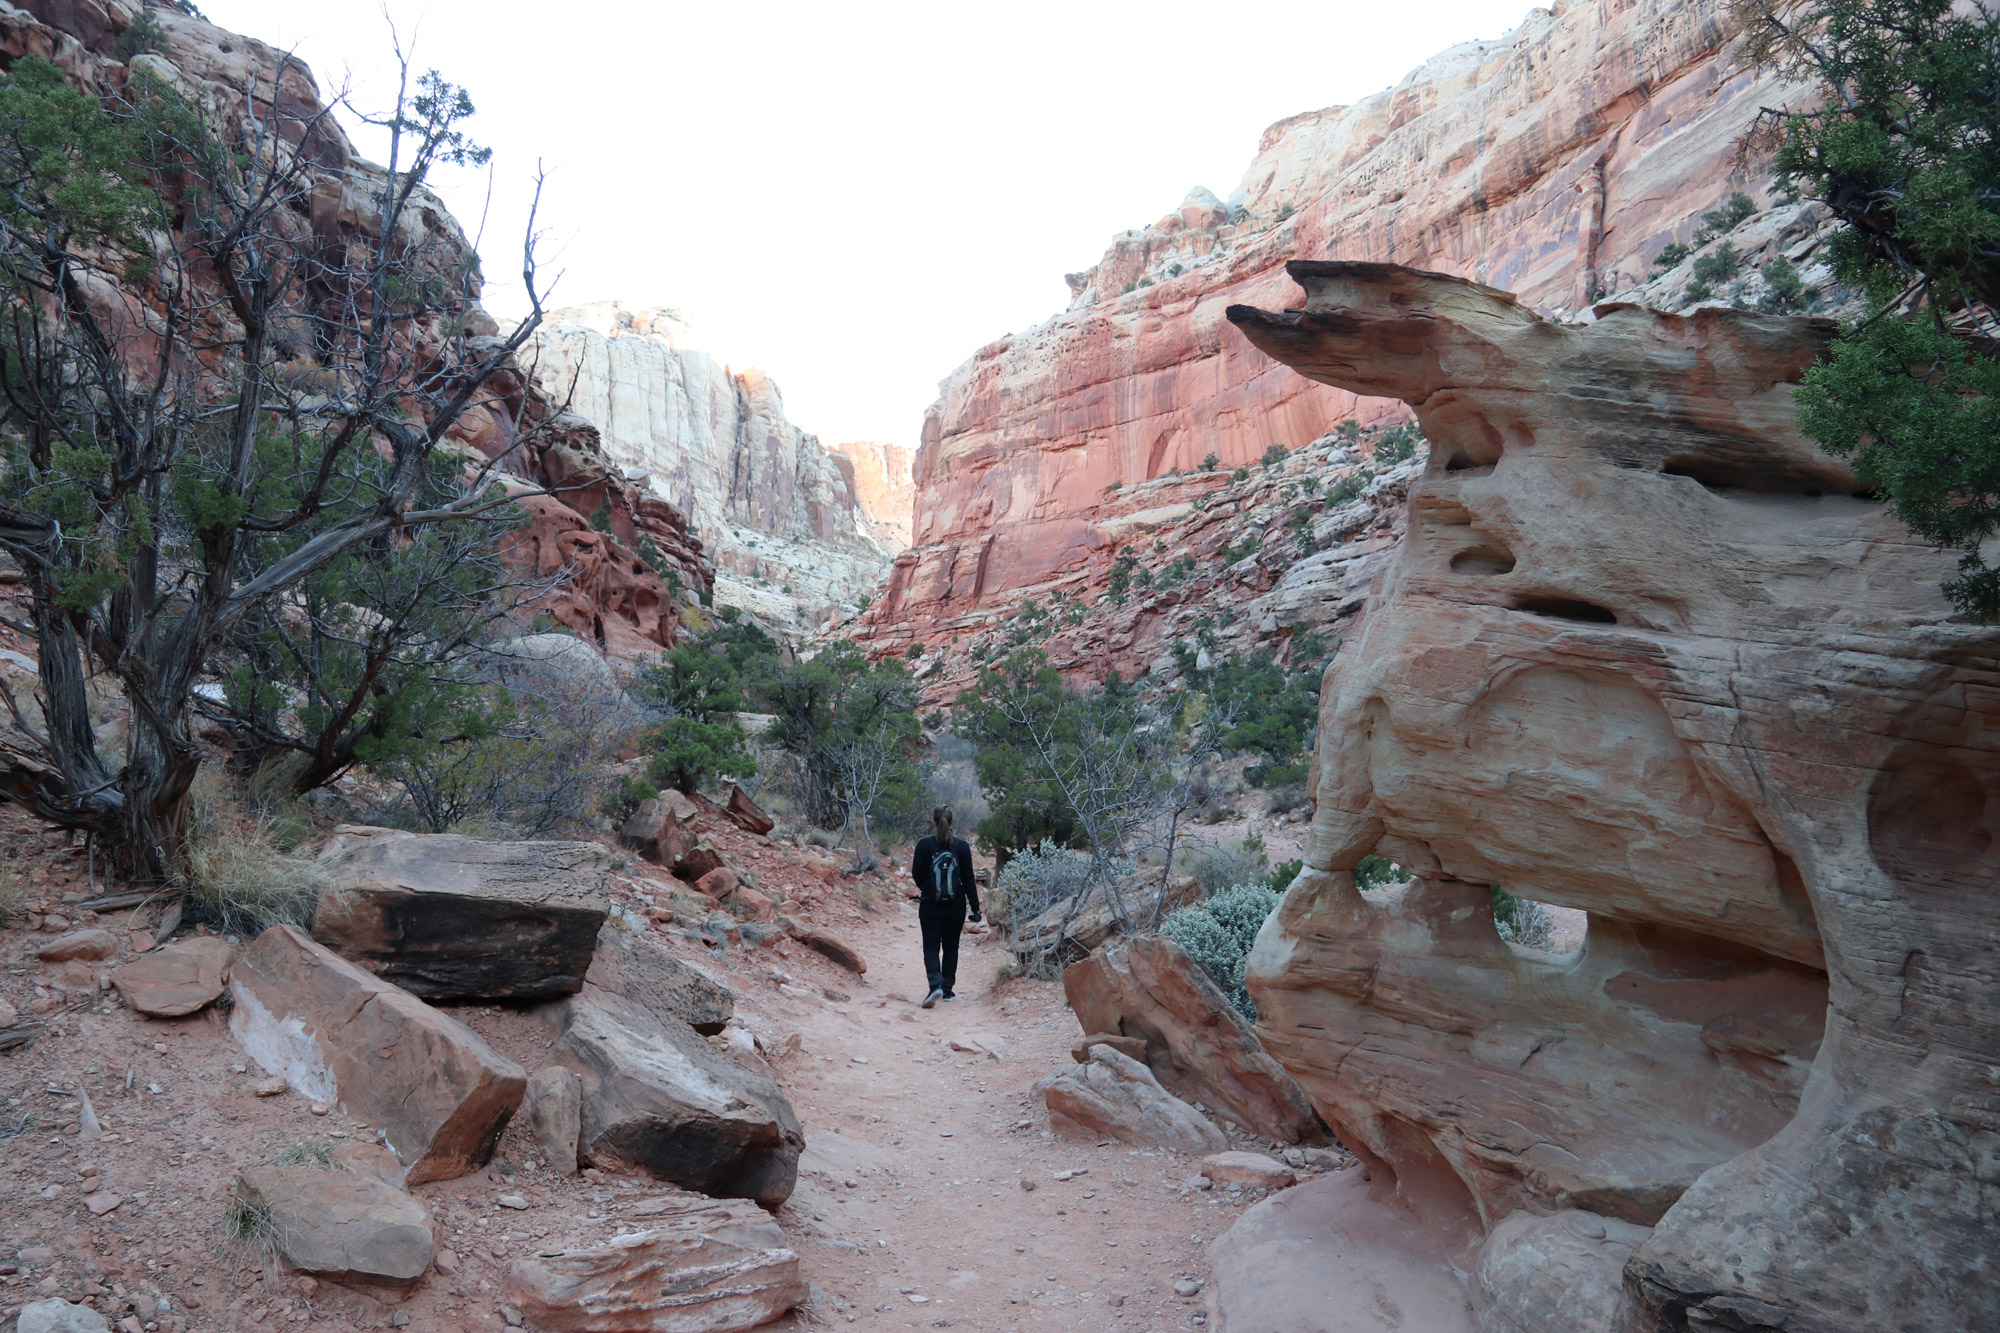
(1251, 1170)
(1321, 1258)
(77, 946)
(440, 1095)
(1196, 1042)
(641, 973)
(1556, 161)
(659, 1099)
(885, 487)
(456, 918)
(1645, 652)
(1111, 1095)
(555, 1110)
(1565, 1270)
(703, 1266)
(176, 980)
(59, 1316)
(785, 525)
(339, 1224)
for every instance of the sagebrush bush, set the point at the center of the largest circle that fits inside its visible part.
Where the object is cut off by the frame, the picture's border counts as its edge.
(1219, 867)
(1034, 881)
(1218, 934)
(1522, 921)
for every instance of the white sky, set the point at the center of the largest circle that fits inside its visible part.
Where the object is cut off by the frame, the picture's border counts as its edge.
(854, 198)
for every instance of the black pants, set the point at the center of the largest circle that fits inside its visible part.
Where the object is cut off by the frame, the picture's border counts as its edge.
(941, 922)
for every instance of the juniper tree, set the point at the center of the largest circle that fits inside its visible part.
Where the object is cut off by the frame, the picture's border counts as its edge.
(208, 403)
(1904, 146)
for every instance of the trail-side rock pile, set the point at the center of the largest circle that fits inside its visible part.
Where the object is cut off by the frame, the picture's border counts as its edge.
(1647, 652)
(658, 1099)
(341, 1036)
(700, 1265)
(1149, 989)
(1111, 1095)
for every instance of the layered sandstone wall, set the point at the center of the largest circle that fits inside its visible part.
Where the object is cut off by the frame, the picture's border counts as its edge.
(781, 513)
(1555, 162)
(1644, 651)
(885, 484)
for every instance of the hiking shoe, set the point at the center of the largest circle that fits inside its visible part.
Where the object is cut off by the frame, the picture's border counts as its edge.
(949, 996)
(934, 997)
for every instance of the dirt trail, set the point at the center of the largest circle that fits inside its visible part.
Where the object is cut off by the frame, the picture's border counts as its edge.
(934, 1231)
(910, 1211)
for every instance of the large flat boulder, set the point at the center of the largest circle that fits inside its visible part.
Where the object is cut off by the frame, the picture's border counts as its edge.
(448, 917)
(178, 979)
(658, 1098)
(1114, 1096)
(337, 1034)
(338, 1223)
(639, 970)
(1196, 1041)
(701, 1266)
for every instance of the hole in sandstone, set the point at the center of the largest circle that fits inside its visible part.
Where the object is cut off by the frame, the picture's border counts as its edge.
(1468, 467)
(1567, 608)
(1377, 874)
(1483, 560)
(1763, 475)
(1536, 929)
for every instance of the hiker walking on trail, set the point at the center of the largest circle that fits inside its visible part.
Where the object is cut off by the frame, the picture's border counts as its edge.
(942, 869)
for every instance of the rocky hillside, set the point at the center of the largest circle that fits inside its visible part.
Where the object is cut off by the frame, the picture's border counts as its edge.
(634, 567)
(782, 515)
(1557, 163)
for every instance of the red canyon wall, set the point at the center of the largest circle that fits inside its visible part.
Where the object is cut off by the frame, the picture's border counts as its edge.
(1555, 162)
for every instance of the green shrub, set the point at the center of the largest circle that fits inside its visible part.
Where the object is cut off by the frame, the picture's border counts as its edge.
(1784, 290)
(1670, 257)
(1275, 455)
(1375, 872)
(142, 35)
(1218, 934)
(1210, 462)
(1240, 474)
(1719, 265)
(623, 800)
(1734, 211)
(1285, 872)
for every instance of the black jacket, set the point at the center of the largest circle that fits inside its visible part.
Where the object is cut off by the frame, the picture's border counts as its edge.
(920, 871)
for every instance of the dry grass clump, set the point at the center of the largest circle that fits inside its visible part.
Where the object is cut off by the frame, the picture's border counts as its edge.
(13, 893)
(305, 1154)
(239, 876)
